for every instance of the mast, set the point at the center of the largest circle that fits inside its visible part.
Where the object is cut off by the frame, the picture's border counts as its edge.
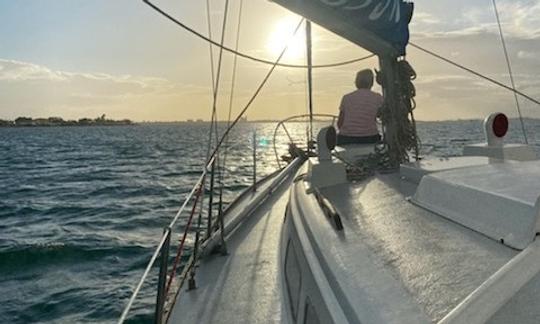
(381, 27)
(309, 81)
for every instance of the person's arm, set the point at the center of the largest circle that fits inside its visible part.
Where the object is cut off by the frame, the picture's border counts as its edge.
(379, 110)
(341, 116)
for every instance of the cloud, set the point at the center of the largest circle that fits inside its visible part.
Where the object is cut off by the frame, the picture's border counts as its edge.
(423, 20)
(35, 90)
(20, 71)
(519, 20)
(456, 96)
(528, 55)
(16, 71)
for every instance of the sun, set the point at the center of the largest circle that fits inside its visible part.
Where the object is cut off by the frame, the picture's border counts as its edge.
(282, 32)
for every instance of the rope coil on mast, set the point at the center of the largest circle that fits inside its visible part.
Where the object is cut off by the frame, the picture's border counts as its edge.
(397, 118)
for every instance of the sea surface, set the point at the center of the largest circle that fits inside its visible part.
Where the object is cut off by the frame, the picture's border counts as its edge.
(82, 208)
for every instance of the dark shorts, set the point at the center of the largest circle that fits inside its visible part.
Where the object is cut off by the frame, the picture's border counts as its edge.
(343, 139)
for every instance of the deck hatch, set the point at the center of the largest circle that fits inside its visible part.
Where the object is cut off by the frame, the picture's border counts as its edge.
(499, 200)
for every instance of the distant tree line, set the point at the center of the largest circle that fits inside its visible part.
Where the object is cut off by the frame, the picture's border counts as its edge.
(57, 121)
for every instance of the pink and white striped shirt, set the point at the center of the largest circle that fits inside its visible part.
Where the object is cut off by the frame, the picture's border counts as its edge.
(358, 112)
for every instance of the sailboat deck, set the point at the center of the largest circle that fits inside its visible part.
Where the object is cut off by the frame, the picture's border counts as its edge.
(435, 261)
(244, 286)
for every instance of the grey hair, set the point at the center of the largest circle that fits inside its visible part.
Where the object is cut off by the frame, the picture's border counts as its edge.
(364, 79)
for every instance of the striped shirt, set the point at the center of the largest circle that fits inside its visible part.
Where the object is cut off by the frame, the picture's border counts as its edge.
(359, 109)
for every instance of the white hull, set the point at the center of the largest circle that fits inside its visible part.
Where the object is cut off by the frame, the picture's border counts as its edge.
(394, 262)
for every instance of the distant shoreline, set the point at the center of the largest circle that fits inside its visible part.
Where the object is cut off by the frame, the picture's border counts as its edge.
(102, 121)
(59, 122)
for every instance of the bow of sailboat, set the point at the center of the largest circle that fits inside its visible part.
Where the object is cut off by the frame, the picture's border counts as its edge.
(336, 262)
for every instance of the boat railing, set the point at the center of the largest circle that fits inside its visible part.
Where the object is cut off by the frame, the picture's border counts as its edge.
(162, 251)
(283, 125)
(169, 281)
(166, 278)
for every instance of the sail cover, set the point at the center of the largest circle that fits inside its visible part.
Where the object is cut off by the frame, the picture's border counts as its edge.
(380, 26)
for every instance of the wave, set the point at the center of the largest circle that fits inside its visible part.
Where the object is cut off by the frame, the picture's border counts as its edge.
(29, 256)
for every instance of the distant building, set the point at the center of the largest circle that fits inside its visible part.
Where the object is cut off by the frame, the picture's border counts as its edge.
(85, 121)
(41, 122)
(24, 121)
(56, 120)
(70, 123)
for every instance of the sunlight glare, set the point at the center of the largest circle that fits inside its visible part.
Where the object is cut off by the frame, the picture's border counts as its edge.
(281, 33)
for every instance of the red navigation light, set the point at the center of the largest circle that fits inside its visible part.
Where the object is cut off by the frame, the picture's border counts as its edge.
(500, 125)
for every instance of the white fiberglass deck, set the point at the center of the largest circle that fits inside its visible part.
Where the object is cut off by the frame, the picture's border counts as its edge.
(417, 259)
(244, 286)
(498, 200)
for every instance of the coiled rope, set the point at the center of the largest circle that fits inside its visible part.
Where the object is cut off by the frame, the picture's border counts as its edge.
(397, 118)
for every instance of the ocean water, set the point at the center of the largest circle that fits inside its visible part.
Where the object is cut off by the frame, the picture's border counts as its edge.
(82, 208)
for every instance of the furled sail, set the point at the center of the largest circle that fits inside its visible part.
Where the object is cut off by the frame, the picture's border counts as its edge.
(380, 26)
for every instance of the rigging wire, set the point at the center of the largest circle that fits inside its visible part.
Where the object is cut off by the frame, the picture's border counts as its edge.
(309, 56)
(306, 98)
(210, 47)
(218, 76)
(212, 73)
(214, 119)
(460, 66)
(277, 63)
(233, 76)
(231, 101)
(215, 78)
(255, 94)
(182, 242)
(247, 56)
(510, 71)
(337, 64)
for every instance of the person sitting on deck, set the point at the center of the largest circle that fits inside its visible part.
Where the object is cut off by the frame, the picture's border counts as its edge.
(358, 111)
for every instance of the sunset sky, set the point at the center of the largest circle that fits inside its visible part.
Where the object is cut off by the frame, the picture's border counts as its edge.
(75, 58)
